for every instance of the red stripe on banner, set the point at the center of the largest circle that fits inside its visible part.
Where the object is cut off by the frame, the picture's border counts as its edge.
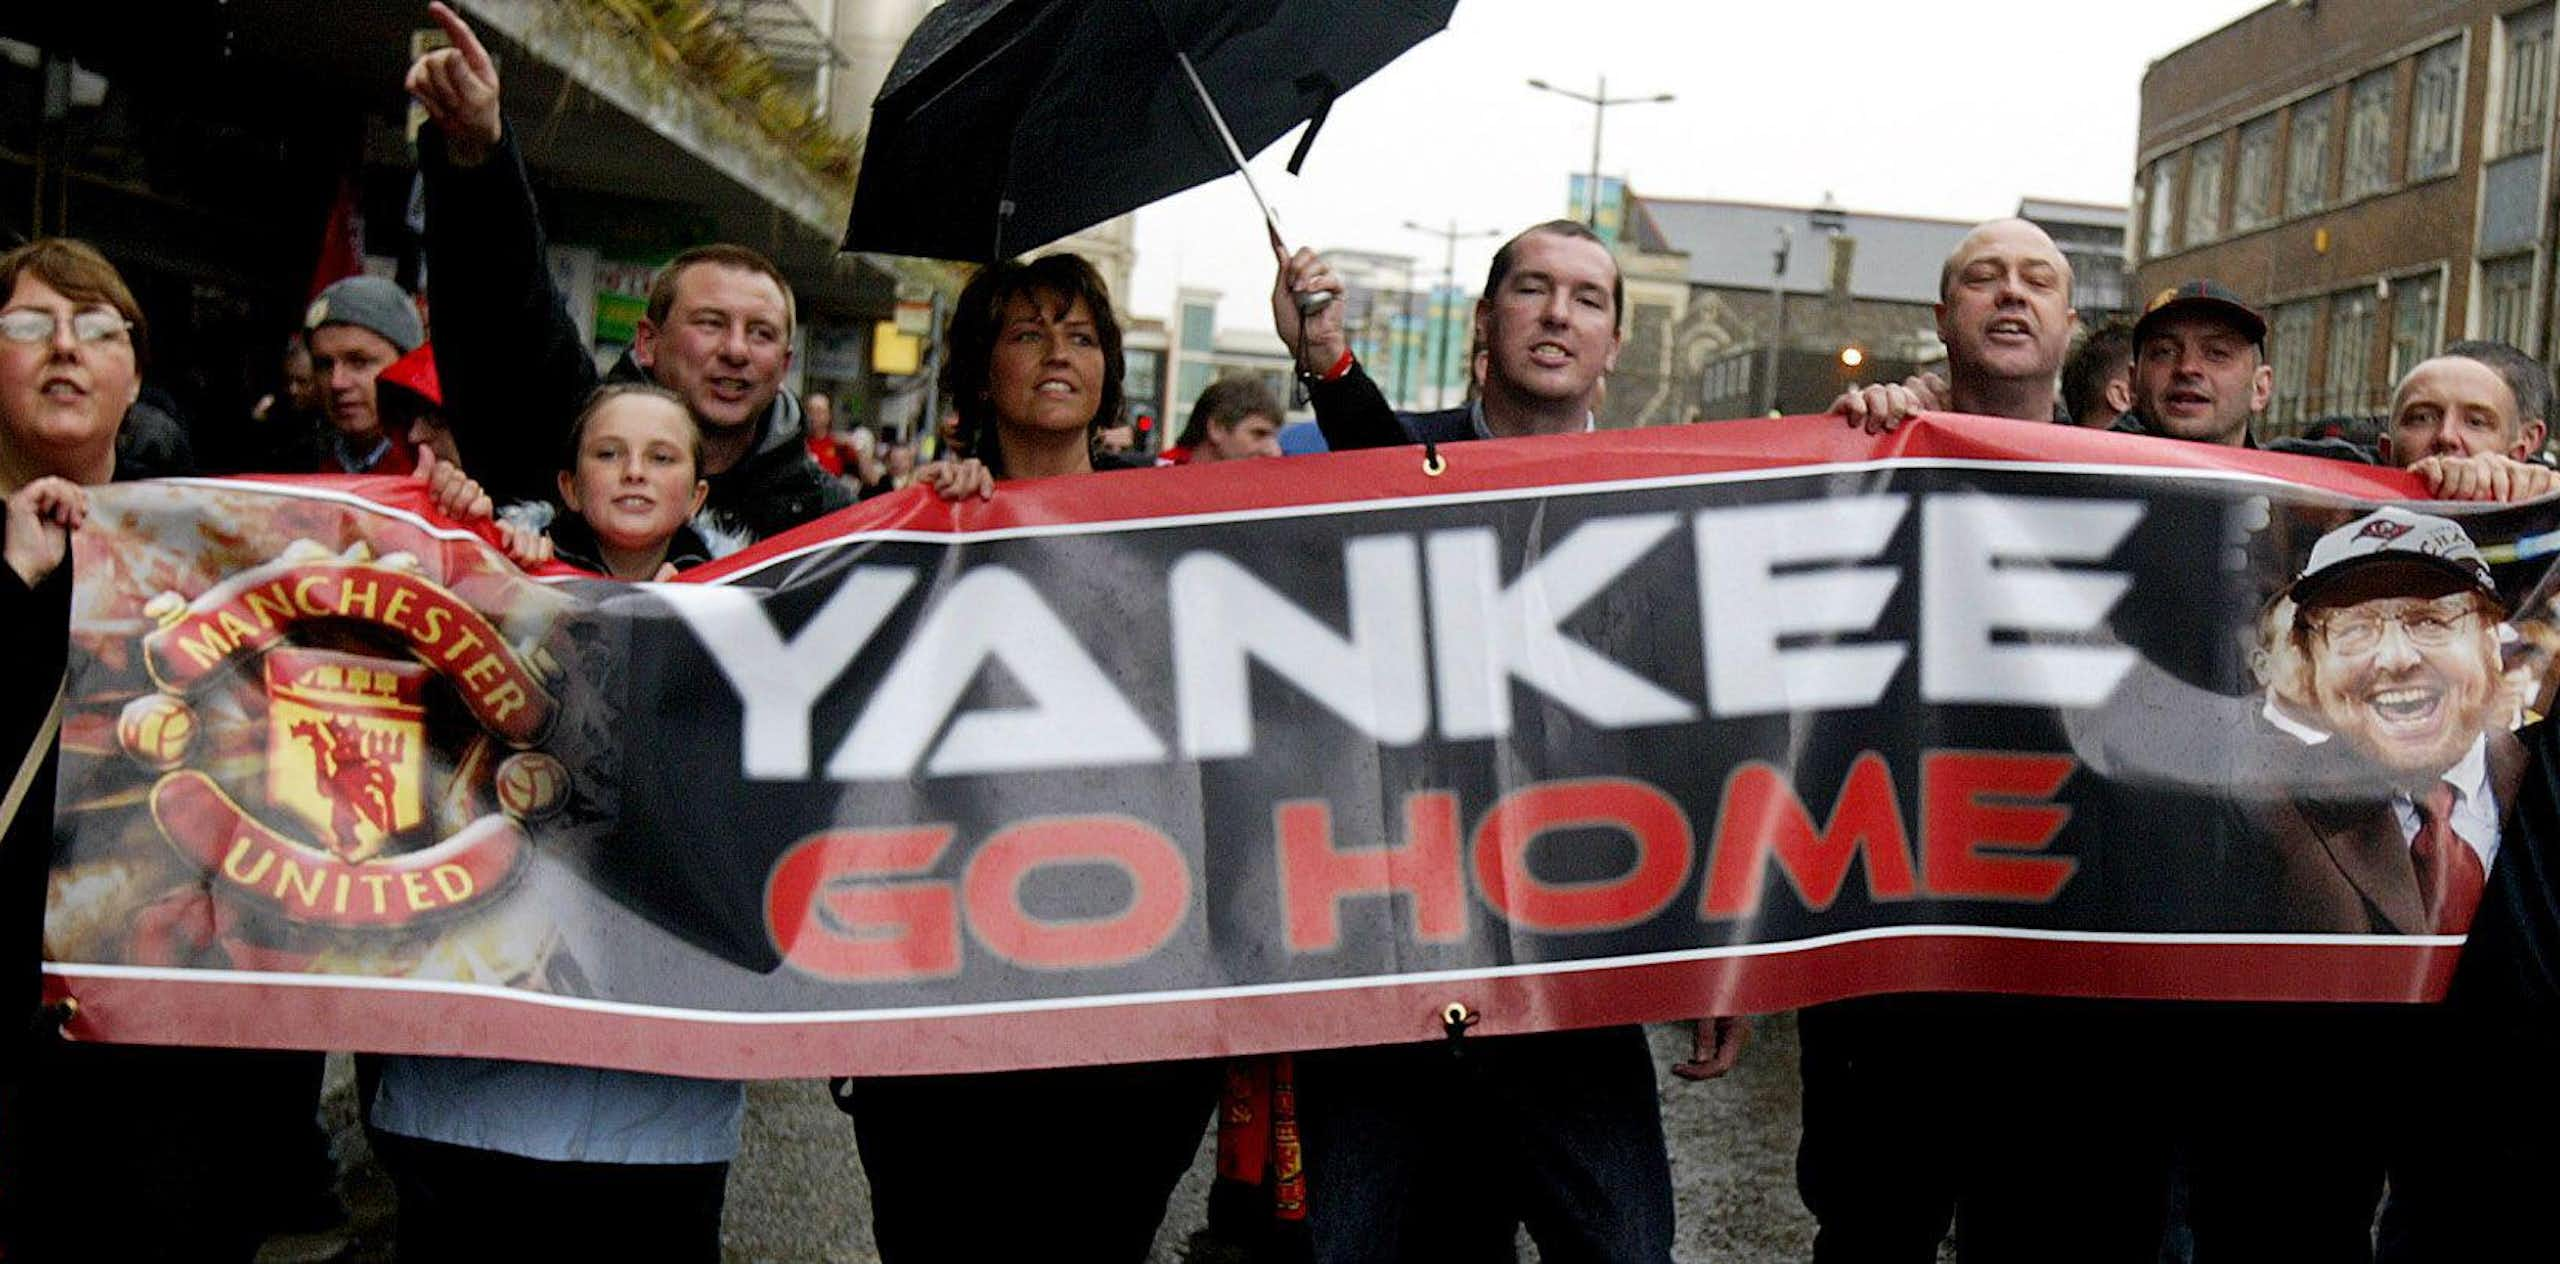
(403, 494)
(1487, 467)
(1504, 465)
(246, 1014)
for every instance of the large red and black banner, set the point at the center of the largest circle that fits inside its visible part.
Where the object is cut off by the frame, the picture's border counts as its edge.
(1595, 729)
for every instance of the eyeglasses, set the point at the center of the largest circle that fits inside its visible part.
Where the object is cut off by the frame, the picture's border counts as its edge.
(2358, 630)
(89, 325)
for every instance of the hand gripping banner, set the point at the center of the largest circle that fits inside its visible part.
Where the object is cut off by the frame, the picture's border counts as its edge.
(1295, 753)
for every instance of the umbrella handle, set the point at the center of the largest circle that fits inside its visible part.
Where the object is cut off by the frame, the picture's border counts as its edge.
(1310, 303)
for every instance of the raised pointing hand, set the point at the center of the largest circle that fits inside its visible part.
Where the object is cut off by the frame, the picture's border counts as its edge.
(459, 88)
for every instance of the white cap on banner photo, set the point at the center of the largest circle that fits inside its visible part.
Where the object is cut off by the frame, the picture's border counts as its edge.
(2394, 536)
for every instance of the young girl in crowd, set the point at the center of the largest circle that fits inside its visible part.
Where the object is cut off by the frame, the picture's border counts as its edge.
(631, 476)
(632, 483)
(592, 1163)
(596, 1161)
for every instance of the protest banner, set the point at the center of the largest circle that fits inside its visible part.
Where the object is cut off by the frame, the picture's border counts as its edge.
(1582, 730)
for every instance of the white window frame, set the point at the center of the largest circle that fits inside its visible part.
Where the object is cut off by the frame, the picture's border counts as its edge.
(2433, 341)
(2325, 105)
(2207, 160)
(2271, 177)
(2512, 111)
(2456, 54)
(2369, 119)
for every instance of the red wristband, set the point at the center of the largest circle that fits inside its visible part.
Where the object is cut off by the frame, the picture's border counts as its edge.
(1339, 368)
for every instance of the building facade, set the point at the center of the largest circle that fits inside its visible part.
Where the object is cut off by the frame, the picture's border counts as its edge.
(1189, 352)
(1714, 287)
(2091, 237)
(1416, 338)
(1722, 295)
(2376, 174)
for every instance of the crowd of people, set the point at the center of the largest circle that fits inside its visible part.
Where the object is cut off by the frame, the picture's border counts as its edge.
(690, 448)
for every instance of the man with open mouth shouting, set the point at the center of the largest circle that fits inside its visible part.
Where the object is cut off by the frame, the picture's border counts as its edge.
(2200, 369)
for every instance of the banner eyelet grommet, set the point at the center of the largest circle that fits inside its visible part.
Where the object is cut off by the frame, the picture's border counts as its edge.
(1433, 466)
(1455, 1019)
(63, 1013)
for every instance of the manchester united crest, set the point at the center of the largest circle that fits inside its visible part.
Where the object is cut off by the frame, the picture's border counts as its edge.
(344, 746)
(395, 774)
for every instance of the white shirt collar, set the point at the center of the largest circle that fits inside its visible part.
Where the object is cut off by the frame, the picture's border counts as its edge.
(1475, 418)
(2284, 722)
(355, 463)
(2475, 805)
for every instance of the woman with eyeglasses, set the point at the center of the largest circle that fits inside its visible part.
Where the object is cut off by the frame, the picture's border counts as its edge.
(105, 1152)
(68, 371)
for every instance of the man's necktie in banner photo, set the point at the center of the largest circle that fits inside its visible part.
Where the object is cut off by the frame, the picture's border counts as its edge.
(1582, 730)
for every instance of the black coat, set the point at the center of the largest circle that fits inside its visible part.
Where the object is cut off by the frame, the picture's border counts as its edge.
(515, 373)
(39, 622)
(2495, 1128)
(1353, 413)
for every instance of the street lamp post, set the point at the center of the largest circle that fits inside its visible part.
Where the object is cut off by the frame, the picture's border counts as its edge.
(1599, 101)
(1404, 344)
(1778, 318)
(1449, 239)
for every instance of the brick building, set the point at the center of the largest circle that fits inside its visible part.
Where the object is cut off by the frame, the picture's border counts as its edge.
(2376, 173)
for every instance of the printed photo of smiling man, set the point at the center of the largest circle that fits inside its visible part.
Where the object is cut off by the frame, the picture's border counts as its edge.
(2396, 656)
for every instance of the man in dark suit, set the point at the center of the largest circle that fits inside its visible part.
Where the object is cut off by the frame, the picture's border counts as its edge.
(1402, 1141)
(2395, 629)
(1546, 328)
(2391, 772)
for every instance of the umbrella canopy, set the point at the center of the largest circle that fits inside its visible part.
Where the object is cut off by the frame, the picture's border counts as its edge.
(1007, 124)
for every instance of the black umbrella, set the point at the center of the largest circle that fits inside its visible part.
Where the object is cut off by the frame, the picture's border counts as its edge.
(1007, 124)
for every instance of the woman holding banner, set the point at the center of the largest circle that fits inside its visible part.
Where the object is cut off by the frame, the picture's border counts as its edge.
(105, 1152)
(1034, 365)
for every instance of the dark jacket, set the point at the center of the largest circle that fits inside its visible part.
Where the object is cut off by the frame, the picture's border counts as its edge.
(39, 619)
(2342, 865)
(152, 444)
(1353, 413)
(90, 1165)
(2495, 1126)
(515, 373)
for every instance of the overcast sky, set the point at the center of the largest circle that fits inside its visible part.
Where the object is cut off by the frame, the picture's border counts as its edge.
(1953, 110)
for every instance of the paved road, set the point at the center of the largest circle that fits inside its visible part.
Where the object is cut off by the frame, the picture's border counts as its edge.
(795, 1196)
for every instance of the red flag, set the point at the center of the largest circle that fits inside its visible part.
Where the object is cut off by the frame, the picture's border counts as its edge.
(342, 242)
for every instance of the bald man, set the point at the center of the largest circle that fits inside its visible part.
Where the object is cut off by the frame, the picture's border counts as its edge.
(2470, 421)
(2005, 315)
(2017, 1120)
